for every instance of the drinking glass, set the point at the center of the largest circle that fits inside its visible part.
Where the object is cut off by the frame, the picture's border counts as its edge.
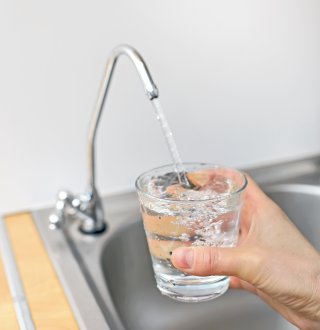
(206, 213)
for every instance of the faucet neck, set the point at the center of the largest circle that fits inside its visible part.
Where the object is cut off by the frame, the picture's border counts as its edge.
(150, 89)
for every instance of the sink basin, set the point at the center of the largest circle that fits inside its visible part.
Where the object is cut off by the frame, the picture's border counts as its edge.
(109, 279)
(302, 205)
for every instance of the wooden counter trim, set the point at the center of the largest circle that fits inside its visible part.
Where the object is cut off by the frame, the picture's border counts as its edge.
(8, 318)
(47, 302)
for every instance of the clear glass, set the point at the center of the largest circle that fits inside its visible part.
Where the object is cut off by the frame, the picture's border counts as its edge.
(207, 214)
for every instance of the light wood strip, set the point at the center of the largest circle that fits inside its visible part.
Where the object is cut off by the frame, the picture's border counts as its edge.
(48, 304)
(8, 318)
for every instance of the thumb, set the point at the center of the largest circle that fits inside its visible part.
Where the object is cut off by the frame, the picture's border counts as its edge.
(204, 261)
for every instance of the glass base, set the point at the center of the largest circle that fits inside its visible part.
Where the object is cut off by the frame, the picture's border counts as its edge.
(193, 288)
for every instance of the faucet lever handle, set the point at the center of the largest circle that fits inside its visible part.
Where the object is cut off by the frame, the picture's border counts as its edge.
(87, 207)
(57, 219)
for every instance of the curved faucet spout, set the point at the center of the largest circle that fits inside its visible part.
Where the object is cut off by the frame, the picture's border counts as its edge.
(88, 207)
(150, 89)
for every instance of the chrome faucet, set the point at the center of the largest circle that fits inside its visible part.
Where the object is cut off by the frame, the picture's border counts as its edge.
(88, 207)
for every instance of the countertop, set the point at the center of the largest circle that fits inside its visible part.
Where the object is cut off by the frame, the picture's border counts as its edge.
(47, 301)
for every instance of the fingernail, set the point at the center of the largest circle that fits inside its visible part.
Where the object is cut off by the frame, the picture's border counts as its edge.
(183, 257)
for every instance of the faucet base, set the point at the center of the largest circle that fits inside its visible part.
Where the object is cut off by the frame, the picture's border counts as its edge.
(95, 231)
(85, 207)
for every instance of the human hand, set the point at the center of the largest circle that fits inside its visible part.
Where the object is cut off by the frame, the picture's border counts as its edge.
(272, 260)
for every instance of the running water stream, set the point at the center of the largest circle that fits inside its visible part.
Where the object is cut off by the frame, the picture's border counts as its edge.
(177, 163)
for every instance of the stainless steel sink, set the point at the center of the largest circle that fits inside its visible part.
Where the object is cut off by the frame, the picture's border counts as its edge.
(109, 279)
(302, 204)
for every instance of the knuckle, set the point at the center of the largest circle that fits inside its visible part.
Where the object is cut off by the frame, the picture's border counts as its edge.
(206, 261)
(315, 296)
(213, 256)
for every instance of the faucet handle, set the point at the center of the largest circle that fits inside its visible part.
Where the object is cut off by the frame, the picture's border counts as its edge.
(57, 218)
(55, 221)
(86, 207)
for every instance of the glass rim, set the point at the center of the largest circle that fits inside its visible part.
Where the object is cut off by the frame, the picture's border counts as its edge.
(220, 197)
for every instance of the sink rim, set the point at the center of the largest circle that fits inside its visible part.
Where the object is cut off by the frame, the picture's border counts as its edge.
(294, 188)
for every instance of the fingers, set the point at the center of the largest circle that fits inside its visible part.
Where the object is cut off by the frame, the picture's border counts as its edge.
(204, 261)
(253, 185)
(253, 194)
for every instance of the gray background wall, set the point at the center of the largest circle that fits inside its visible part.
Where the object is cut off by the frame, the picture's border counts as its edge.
(239, 82)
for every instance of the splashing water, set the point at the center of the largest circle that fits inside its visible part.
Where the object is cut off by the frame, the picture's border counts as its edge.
(177, 163)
